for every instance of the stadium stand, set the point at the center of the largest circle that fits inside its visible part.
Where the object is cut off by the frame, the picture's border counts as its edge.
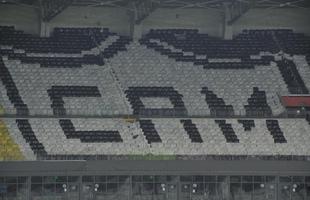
(271, 137)
(168, 73)
(90, 94)
(262, 80)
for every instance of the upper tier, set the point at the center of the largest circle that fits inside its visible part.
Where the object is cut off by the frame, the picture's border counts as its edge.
(175, 72)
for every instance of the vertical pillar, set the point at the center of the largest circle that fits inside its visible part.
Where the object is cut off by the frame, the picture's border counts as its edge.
(227, 28)
(132, 17)
(131, 23)
(47, 30)
(28, 188)
(137, 34)
(228, 35)
(42, 24)
(43, 29)
(135, 29)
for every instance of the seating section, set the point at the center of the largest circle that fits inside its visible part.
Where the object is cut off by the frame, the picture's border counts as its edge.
(63, 40)
(191, 94)
(11, 90)
(134, 95)
(57, 93)
(41, 88)
(118, 45)
(228, 131)
(149, 131)
(139, 72)
(190, 46)
(257, 104)
(9, 149)
(66, 48)
(233, 85)
(60, 62)
(88, 136)
(160, 136)
(275, 131)
(192, 131)
(247, 124)
(61, 50)
(294, 43)
(29, 136)
(291, 76)
(217, 105)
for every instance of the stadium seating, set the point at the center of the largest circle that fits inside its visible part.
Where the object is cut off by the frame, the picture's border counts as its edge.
(57, 93)
(192, 131)
(88, 136)
(190, 46)
(257, 104)
(217, 105)
(228, 131)
(134, 69)
(9, 149)
(11, 91)
(290, 75)
(192, 94)
(138, 66)
(247, 124)
(275, 131)
(64, 40)
(165, 136)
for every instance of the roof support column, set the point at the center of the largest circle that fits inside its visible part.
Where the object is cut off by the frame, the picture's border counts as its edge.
(135, 29)
(227, 27)
(42, 23)
(137, 34)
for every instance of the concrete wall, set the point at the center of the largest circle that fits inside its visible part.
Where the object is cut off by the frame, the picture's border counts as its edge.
(296, 19)
(116, 19)
(24, 18)
(206, 20)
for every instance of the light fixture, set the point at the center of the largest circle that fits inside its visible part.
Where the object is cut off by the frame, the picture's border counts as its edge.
(64, 186)
(96, 187)
(163, 187)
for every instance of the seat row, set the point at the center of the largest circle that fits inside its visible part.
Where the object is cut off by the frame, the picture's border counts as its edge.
(160, 136)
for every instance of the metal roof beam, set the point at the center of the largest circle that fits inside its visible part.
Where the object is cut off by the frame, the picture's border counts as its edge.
(51, 8)
(143, 8)
(237, 9)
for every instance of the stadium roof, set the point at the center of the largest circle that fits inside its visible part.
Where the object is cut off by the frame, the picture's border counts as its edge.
(142, 8)
(198, 3)
(171, 3)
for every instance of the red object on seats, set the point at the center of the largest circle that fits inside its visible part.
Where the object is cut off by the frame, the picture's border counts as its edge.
(296, 101)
